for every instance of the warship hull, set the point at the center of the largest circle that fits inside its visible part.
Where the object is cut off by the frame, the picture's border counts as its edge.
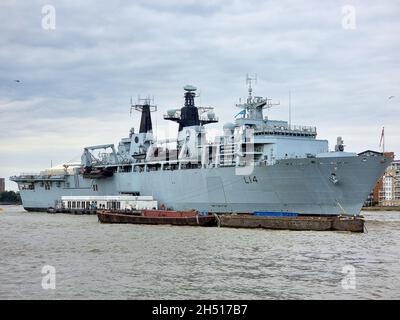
(304, 186)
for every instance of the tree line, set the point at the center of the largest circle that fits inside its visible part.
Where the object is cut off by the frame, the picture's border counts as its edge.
(10, 197)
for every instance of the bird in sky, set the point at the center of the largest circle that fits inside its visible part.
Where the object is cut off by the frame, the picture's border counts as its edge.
(391, 97)
(17, 80)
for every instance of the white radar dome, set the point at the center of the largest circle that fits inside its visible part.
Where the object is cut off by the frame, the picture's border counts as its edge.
(229, 126)
(211, 115)
(171, 112)
(189, 88)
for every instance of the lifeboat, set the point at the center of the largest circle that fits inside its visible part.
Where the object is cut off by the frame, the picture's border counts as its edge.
(96, 173)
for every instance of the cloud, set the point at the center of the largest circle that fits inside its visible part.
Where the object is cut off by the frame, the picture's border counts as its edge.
(76, 81)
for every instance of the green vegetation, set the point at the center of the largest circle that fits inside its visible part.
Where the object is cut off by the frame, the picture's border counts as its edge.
(10, 197)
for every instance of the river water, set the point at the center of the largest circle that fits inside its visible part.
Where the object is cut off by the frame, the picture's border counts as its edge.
(100, 261)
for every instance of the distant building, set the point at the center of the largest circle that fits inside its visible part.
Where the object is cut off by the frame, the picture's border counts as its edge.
(389, 194)
(2, 185)
(379, 192)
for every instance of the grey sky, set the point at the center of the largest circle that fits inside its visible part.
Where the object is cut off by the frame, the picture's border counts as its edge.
(76, 80)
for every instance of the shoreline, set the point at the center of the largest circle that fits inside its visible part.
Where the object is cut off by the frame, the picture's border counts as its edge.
(380, 209)
(10, 204)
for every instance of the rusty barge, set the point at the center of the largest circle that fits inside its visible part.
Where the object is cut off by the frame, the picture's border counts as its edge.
(194, 218)
(298, 223)
(181, 218)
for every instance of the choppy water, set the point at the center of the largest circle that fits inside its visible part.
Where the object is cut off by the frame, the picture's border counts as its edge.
(98, 261)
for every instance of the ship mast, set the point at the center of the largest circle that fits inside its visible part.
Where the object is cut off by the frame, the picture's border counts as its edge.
(142, 141)
(188, 115)
(250, 89)
(253, 108)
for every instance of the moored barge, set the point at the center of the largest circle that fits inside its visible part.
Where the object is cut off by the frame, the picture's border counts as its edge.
(170, 217)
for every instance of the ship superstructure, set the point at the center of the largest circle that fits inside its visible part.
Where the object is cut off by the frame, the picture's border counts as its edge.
(256, 165)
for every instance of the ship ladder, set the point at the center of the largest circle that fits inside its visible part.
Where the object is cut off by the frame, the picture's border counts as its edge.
(218, 219)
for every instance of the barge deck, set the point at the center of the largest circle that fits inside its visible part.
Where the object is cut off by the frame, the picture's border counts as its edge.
(300, 223)
(158, 217)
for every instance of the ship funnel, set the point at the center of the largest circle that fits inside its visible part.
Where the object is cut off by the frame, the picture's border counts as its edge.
(145, 121)
(145, 108)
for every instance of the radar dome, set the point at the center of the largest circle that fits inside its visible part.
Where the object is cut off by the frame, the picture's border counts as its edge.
(210, 115)
(171, 112)
(189, 88)
(229, 126)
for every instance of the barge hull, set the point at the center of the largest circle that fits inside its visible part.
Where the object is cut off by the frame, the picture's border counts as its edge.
(206, 221)
(353, 224)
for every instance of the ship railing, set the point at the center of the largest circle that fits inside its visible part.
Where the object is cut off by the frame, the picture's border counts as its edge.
(303, 128)
(208, 119)
(24, 176)
(290, 129)
(36, 176)
(28, 174)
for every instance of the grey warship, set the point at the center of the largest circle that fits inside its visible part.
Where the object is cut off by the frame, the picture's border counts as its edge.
(256, 165)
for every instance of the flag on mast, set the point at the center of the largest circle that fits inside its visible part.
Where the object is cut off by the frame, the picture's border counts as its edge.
(382, 141)
(243, 112)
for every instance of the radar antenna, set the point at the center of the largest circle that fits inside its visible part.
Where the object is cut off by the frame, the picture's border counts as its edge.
(141, 102)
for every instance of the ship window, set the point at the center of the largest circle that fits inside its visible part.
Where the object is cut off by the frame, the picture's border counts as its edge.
(29, 186)
(125, 169)
(73, 204)
(95, 187)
